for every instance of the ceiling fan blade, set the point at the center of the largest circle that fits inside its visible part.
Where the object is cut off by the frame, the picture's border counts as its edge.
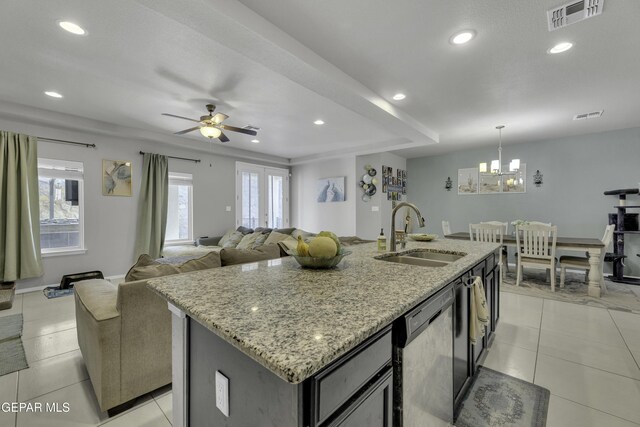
(180, 117)
(182, 132)
(219, 118)
(241, 130)
(223, 138)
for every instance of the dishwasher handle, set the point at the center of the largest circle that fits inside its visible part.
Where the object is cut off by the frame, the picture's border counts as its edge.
(417, 320)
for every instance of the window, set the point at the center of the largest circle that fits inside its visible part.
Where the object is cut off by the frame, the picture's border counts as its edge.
(262, 196)
(180, 208)
(60, 185)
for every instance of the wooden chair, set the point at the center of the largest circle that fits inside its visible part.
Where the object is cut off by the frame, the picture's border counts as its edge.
(537, 243)
(446, 228)
(505, 232)
(582, 263)
(489, 232)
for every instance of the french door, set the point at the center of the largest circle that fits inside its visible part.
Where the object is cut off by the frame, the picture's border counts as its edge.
(262, 196)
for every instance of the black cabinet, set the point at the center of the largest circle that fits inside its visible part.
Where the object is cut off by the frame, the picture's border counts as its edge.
(461, 345)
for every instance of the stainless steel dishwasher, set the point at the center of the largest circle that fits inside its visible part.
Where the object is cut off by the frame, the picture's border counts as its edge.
(423, 364)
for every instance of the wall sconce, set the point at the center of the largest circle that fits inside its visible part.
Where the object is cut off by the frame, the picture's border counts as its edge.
(448, 184)
(537, 178)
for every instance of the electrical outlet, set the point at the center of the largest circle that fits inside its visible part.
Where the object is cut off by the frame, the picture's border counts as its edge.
(222, 393)
(228, 208)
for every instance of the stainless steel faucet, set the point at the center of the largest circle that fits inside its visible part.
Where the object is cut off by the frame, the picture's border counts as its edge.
(392, 242)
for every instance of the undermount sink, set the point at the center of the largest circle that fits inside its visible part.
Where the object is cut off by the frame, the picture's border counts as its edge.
(422, 258)
(436, 256)
(414, 261)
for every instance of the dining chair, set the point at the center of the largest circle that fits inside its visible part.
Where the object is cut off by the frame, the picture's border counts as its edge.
(582, 263)
(446, 228)
(505, 232)
(492, 233)
(537, 249)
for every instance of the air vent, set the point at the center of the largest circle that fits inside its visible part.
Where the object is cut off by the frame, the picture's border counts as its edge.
(571, 13)
(592, 115)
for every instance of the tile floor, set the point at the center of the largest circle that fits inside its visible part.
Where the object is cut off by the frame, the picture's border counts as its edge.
(587, 357)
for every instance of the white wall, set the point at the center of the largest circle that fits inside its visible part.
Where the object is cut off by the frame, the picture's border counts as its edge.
(577, 170)
(110, 222)
(307, 213)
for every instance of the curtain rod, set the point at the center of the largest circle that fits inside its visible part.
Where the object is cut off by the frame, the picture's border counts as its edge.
(64, 141)
(178, 158)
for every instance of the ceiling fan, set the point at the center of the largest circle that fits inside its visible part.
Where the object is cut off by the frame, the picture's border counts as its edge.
(211, 125)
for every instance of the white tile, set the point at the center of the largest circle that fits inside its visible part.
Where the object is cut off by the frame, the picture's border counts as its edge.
(50, 324)
(520, 310)
(589, 327)
(148, 415)
(517, 335)
(572, 348)
(578, 311)
(36, 306)
(624, 320)
(53, 373)
(511, 360)
(83, 409)
(165, 402)
(8, 393)
(16, 307)
(50, 345)
(604, 391)
(521, 301)
(564, 413)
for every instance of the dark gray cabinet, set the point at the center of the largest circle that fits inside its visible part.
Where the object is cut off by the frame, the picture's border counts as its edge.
(461, 345)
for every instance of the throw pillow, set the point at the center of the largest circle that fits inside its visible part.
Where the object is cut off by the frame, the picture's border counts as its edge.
(233, 240)
(210, 260)
(275, 237)
(150, 271)
(263, 230)
(248, 240)
(226, 237)
(143, 261)
(288, 244)
(260, 240)
(241, 256)
(285, 230)
(244, 230)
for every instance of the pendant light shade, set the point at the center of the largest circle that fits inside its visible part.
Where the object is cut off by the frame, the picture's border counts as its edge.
(496, 165)
(210, 131)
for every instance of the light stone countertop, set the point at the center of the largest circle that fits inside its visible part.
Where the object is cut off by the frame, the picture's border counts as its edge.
(295, 321)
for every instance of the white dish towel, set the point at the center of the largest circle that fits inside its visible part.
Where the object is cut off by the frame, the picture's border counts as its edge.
(479, 312)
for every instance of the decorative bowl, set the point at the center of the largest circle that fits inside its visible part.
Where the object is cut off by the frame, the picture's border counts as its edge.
(423, 237)
(319, 263)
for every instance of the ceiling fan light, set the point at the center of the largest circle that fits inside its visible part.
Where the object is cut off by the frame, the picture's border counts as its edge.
(483, 168)
(514, 165)
(495, 166)
(210, 131)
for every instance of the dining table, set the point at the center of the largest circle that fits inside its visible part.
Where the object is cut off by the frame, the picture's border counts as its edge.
(593, 247)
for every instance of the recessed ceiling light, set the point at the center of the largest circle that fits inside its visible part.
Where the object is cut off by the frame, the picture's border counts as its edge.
(318, 122)
(255, 141)
(561, 47)
(52, 94)
(463, 37)
(399, 96)
(72, 28)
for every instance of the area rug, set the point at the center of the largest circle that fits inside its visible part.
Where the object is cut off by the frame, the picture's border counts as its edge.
(496, 399)
(12, 357)
(619, 296)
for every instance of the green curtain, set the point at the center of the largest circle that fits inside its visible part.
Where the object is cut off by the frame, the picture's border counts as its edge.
(19, 208)
(152, 213)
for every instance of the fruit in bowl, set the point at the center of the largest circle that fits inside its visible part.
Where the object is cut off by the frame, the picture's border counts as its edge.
(324, 251)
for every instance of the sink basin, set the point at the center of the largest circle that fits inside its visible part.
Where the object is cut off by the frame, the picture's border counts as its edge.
(436, 256)
(414, 261)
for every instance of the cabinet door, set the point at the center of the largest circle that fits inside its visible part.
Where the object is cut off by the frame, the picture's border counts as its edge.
(372, 409)
(490, 284)
(461, 347)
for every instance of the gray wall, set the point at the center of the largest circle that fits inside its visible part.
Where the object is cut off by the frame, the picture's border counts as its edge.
(110, 222)
(577, 170)
(307, 213)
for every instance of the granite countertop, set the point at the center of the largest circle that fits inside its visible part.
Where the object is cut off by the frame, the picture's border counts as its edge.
(295, 321)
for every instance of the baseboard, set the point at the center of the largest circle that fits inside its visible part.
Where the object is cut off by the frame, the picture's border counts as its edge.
(113, 279)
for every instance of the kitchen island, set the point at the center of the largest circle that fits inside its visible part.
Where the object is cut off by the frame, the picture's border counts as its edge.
(273, 328)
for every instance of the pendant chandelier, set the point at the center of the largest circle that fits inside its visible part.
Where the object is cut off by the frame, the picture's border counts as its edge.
(496, 165)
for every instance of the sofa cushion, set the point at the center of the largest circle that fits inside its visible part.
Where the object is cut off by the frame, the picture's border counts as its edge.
(233, 256)
(150, 271)
(263, 230)
(210, 260)
(288, 245)
(275, 237)
(260, 240)
(244, 230)
(208, 241)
